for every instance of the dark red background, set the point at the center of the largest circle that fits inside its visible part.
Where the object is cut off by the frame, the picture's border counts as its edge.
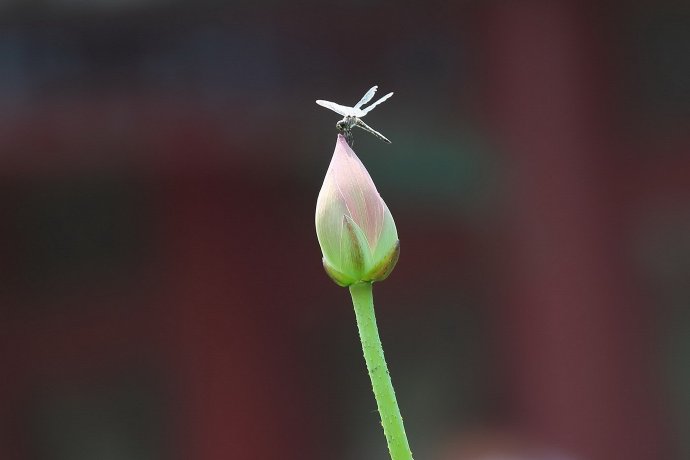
(160, 281)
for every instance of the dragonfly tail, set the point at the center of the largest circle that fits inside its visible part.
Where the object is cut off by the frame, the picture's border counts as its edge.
(360, 124)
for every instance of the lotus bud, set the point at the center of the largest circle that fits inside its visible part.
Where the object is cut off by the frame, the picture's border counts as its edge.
(356, 232)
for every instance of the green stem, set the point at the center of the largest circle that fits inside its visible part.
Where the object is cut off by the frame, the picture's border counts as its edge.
(391, 419)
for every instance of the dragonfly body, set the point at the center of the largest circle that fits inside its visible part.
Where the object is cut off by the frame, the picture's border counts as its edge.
(353, 115)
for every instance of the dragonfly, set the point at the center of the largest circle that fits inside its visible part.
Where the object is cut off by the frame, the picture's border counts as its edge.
(353, 115)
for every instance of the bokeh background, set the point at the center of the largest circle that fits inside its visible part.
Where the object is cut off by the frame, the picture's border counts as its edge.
(161, 290)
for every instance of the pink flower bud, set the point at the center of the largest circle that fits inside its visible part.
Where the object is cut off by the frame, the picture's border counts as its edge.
(356, 232)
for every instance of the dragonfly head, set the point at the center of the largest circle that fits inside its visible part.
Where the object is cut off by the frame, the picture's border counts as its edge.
(346, 124)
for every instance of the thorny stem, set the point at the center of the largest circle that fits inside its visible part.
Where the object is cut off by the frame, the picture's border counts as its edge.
(392, 422)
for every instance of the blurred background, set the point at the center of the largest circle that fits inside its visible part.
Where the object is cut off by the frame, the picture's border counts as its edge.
(161, 289)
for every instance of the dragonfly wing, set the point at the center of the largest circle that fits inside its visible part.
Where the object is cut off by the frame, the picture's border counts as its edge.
(369, 109)
(367, 97)
(370, 130)
(337, 108)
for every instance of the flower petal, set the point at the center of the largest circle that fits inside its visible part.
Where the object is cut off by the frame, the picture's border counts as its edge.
(357, 189)
(356, 231)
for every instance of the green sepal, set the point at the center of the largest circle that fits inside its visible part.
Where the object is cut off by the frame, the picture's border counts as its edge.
(355, 256)
(339, 278)
(354, 253)
(384, 268)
